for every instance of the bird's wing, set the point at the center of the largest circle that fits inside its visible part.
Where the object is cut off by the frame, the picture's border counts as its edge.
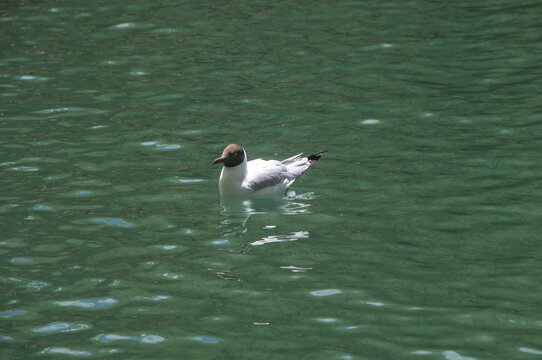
(297, 165)
(292, 159)
(267, 173)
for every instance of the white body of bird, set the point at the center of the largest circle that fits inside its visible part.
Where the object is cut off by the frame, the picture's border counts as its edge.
(240, 177)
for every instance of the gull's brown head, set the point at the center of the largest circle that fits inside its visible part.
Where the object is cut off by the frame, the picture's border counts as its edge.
(232, 155)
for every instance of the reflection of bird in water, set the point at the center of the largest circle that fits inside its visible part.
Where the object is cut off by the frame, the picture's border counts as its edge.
(240, 177)
(238, 210)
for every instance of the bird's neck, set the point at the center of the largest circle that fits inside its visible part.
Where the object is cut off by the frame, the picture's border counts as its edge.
(232, 178)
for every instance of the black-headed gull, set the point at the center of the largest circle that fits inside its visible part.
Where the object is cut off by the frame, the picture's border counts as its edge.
(241, 177)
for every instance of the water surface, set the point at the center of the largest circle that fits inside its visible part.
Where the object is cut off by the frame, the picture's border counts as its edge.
(415, 237)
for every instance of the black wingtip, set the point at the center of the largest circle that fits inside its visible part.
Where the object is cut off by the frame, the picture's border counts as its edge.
(317, 156)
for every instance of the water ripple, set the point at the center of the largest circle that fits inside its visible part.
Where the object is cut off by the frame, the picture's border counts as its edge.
(27, 283)
(325, 292)
(152, 298)
(295, 268)
(530, 351)
(376, 303)
(353, 327)
(60, 327)
(165, 31)
(88, 303)
(25, 168)
(282, 238)
(12, 313)
(65, 351)
(326, 320)
(172, 276)
(220, 242)
(74, 111)
(113, 222)
(144, 338)
(206, 339)
(42, 207)
(189, 181)
(166, 247)
(32, 78)
(421, 352)
(124, 26)
(52, 111)
(452, 355)
(158, 146)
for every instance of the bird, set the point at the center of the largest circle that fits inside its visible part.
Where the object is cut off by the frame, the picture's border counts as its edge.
(240, 177)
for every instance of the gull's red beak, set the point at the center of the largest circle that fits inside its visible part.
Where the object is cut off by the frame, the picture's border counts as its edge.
(218, 160)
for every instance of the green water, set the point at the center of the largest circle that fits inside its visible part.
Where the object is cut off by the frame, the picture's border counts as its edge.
(415, 237)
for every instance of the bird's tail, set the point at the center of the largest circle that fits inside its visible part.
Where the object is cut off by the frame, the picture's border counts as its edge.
(315, 157)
